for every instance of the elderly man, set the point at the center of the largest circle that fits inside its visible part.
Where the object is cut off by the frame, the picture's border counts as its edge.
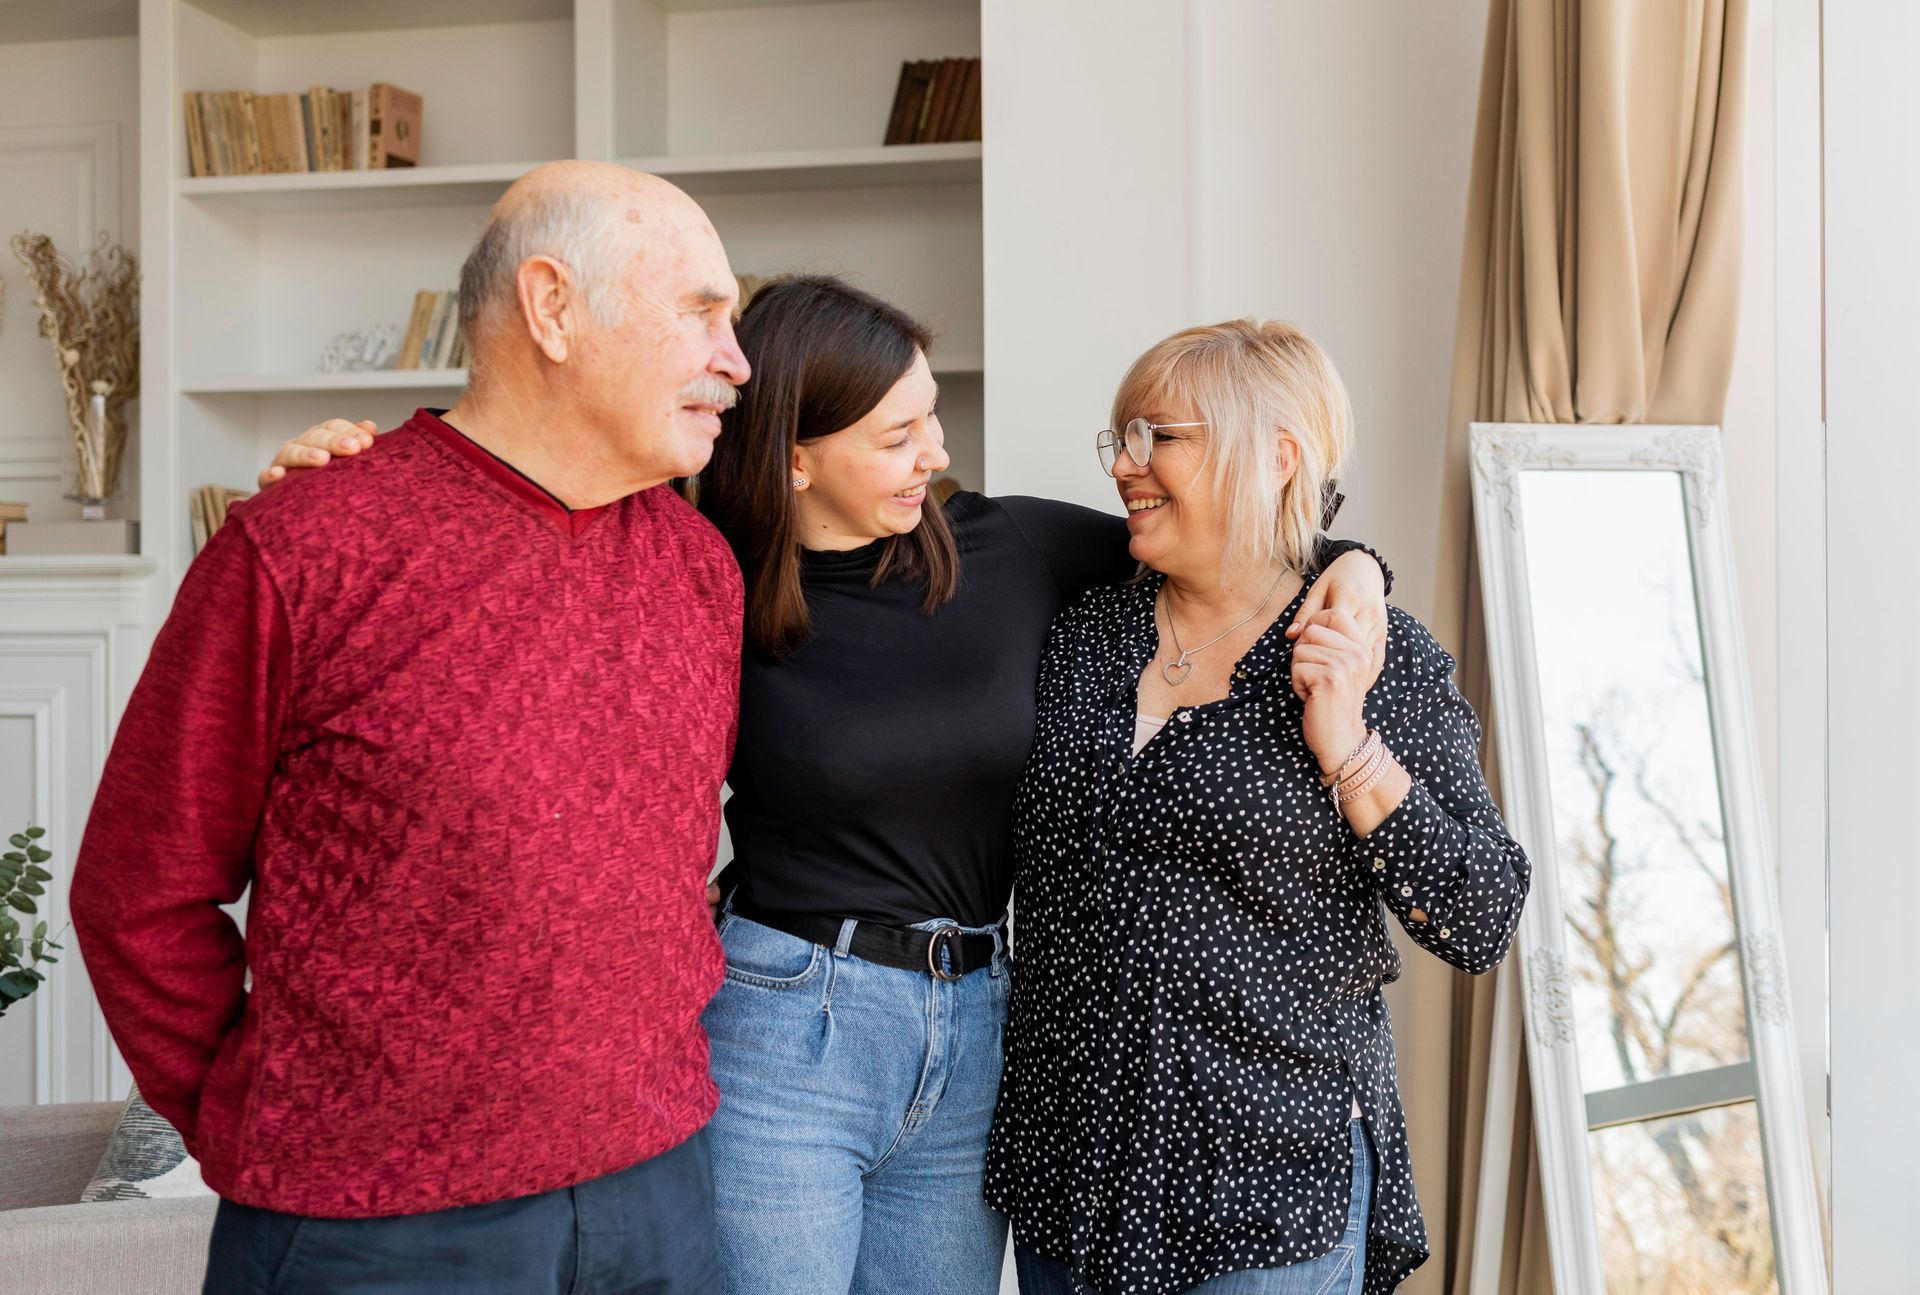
(458, 713)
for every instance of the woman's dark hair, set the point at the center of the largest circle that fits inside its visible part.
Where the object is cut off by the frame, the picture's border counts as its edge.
(823, 354)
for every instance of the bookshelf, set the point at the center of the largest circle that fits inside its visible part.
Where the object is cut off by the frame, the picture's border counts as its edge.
(770, 112)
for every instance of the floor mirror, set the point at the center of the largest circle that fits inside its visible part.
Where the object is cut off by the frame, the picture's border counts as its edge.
(1672, 1141)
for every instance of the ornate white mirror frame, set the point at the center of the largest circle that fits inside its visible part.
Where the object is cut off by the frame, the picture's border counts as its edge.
(1569, 1110)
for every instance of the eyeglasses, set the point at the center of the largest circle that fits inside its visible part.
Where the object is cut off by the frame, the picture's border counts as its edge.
(1137, 440)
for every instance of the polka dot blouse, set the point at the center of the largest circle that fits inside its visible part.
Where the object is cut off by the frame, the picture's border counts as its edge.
(1200, 945)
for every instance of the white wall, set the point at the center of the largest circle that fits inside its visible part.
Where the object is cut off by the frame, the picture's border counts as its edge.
(69, 164)
(59, 102)
(1872, 208)
(1800, 795)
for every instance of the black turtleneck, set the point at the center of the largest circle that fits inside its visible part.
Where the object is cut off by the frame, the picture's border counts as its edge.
(876, 765)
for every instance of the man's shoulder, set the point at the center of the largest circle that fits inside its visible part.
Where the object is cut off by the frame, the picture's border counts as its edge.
(348, 493)
(688, 537)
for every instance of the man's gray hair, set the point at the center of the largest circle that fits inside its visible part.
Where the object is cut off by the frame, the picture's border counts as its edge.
(578, 230)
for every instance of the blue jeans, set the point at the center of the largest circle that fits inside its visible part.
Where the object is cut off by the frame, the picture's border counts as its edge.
(1338, 1272)
(855, 1101)
(646, 1230)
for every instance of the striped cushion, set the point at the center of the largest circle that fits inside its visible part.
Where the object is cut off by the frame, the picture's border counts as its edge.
(145, 1159)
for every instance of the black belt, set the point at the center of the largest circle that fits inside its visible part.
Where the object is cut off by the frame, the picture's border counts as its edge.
(890, 946)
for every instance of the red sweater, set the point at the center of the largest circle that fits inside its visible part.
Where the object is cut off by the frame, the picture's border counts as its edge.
(466, 749)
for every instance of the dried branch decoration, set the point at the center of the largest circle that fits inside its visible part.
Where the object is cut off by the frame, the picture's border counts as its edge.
(92, 317)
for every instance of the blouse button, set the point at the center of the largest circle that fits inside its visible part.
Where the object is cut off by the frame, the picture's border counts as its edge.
(1406, 889)
(1239, 674)
(1186, 717)
(1446, 933)
(1379, 864)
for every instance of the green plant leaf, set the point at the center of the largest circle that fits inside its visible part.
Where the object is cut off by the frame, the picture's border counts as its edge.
(39, 930)
(22, 903)
(13, 856)
(18, 841)
(36, 855)
(17, 984)
(31, 887)
(36, 833)
(39, 874)
(48, 957)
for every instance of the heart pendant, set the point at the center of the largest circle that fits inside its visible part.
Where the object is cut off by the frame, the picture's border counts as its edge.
(1184, 668)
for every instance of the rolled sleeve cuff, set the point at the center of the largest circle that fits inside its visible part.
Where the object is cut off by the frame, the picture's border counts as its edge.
(1415, 859)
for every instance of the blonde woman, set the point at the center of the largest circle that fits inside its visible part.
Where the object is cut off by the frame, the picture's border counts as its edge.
(1200, 1092)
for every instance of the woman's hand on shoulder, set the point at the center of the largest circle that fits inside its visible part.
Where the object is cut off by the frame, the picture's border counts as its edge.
(1352, 585)
(318, 446)
(1333, 668)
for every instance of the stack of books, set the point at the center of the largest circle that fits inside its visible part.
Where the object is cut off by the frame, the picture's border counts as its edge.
(210, 504)
(433, 339)
(938, 102)
(66, 539)
(237, 132)
(10, 513)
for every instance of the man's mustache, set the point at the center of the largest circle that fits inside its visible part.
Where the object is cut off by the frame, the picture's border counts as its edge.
(709, 390)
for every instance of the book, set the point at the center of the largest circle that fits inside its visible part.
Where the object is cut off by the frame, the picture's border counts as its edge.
(320, 109)
(358, 112)
(447, 333)
(393, 126)
(922, 98)
(265, 129)
(343, 126)
(968, 127)
(232, 158)
(897, 118)
(292, 131)
(288, 135)
(953, 84)
(930, 109)
(239, 127)
(207, 508)
(409, 357)
(260, 115)
(196, 136)
(250, 138)
(13, 512)
(44, 539)
(430, 340)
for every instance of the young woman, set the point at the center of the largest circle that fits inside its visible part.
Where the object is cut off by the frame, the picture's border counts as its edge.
(887, 708)
(1200, 1092)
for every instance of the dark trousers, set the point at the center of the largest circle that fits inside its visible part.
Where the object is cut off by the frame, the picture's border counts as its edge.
(646, 1230)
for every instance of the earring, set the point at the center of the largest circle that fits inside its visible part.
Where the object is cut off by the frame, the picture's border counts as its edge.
(799, 483)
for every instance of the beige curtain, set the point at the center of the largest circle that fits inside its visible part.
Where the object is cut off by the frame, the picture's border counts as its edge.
(1599, 284)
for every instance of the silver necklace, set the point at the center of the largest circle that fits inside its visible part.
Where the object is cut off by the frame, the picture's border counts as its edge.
(1183, 665)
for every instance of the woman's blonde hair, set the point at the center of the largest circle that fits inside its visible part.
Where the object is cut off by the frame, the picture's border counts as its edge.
(1252, 383)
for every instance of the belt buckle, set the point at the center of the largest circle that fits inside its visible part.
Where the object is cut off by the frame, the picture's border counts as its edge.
(942, 937)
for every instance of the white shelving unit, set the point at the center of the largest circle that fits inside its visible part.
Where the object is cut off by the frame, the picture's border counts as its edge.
(770, 112)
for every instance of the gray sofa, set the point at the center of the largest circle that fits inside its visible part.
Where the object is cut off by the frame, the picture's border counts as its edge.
(51, 1245)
